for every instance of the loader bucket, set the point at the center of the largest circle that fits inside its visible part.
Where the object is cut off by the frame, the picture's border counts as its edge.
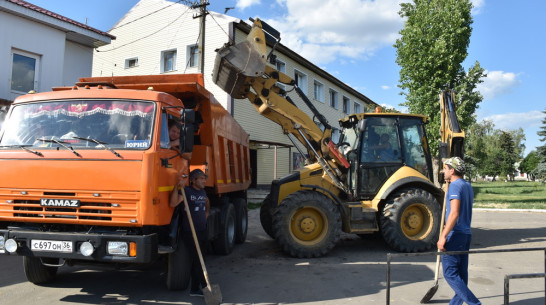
(234, 63)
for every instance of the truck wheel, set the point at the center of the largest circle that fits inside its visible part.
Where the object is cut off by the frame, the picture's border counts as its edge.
(307, 224)
(36, 272)
(265, 216)
(241, 220)
(225, 241)
(410, 221)
(178, 268)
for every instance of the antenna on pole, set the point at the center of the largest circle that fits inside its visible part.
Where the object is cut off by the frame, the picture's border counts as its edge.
(203, 14)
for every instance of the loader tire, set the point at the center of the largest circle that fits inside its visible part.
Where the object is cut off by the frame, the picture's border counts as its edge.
(36, 272)
(179, 266)
(241, 220)
(307, 224)
(266, 218)
(410, 220)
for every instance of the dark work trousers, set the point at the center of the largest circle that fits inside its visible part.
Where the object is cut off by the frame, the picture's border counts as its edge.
(197, 277)
(456, 269)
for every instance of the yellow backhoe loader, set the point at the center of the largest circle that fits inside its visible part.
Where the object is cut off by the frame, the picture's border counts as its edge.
(377, 178)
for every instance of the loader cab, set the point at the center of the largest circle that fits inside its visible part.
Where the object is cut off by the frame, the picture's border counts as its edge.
(378, 145)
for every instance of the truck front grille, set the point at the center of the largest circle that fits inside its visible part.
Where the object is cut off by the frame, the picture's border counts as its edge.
(104, 212)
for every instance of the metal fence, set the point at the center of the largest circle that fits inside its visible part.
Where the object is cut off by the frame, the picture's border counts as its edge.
(390, 256)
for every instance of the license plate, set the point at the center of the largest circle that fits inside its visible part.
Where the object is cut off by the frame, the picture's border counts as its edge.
(51, 245)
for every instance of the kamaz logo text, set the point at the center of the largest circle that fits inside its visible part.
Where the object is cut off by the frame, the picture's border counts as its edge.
(59, 203)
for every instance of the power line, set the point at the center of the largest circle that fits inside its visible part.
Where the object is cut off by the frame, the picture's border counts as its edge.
(139, 39)
(151, 13)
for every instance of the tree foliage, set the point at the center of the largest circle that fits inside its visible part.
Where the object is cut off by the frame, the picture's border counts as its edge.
(430, 52)
(541, 152)
(493, 152)
(529, 165)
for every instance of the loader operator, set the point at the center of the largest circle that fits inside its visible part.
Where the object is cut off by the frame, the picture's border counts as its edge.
(456, 235)
(199, 205)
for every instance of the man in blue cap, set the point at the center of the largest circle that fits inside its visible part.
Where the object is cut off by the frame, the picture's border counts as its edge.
(199, 205)
(456, 235)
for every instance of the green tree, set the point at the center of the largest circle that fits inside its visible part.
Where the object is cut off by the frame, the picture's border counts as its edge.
(541, 152)
(508, 155)
(478, 137)
(529, 165)
(430, 52)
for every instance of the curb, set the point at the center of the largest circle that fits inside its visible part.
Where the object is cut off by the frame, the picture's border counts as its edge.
(509, 210)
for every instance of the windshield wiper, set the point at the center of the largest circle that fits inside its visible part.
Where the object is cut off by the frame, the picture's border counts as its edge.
(24, 147)
(103, 144)
(62, 143)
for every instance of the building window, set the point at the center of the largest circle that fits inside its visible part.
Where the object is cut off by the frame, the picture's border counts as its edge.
(357, 108)
(131, 62)
(168, 60)
(318, 91)
(333, 98)
(281, 67)
(301, 81)
(346, 105)
(193, 55)
(24, 71)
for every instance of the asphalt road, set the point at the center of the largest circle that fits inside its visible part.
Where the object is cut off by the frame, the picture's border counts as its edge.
(257, 272)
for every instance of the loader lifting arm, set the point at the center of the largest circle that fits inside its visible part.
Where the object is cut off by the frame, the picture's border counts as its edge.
(241, 70)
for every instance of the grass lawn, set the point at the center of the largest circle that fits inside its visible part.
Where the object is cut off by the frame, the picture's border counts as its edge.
(509, 195)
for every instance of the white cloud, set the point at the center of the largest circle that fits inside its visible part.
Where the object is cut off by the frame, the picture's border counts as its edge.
(525, 120)
(498, 83)
(242, 4)
(477, 6)
(322, 30)
(385, 87)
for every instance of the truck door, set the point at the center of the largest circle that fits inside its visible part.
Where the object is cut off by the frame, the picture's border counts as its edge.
(171, 161)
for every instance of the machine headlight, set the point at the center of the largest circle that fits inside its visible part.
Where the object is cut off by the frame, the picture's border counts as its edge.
(86, 248)
(118, 248)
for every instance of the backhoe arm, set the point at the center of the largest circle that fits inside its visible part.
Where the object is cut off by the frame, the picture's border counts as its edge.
(242, 71)
(451, 135)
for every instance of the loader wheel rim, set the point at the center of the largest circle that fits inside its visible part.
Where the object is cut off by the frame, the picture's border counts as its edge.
(308, 225)
(416, 221)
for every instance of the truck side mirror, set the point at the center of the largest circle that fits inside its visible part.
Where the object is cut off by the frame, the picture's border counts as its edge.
(187, 117)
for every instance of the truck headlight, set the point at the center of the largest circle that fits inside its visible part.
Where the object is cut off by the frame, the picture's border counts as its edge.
(118, 248)
(86, 248)
(10, 245)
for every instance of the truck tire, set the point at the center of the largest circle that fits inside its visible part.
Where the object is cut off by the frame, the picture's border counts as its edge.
(36, 272)
(266, 218)
(410, 221)
(241, 219)
(178, 267)
(225, 241)
(307, 224)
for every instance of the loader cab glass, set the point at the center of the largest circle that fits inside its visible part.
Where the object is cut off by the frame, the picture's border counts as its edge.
(387, 144)
(120, 124)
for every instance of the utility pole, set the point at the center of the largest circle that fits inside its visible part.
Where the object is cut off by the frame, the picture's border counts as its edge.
(203, 14)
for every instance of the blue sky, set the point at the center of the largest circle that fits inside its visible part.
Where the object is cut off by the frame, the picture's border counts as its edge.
(352, 39)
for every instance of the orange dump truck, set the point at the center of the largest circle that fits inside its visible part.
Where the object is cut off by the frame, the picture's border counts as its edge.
(86, 173)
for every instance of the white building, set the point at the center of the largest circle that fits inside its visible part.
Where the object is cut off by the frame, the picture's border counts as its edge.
(40, 49)
(161, 37)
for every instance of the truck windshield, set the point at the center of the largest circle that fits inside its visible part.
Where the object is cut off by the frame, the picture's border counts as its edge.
(120, 124)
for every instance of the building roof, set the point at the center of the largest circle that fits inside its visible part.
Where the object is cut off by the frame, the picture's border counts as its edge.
(75, 31)
(243, 26)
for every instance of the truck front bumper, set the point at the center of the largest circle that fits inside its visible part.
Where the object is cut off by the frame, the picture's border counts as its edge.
(145, 245)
